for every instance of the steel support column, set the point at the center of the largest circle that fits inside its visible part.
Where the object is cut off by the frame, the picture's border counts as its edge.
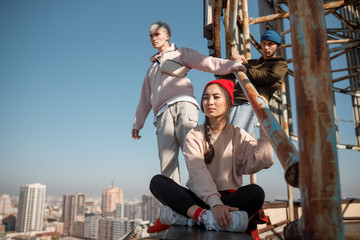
(318, 164)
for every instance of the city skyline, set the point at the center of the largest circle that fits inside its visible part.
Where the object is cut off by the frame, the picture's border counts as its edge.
(72, 215)
(70, 79)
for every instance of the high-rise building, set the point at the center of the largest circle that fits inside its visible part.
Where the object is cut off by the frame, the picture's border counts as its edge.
(92, 227)
(78, 229)
(73, 210)
(110, 197)
(105, 226)
(5, 204)
(128, 210)
(31, 207)
(118, 228)
(151, 208)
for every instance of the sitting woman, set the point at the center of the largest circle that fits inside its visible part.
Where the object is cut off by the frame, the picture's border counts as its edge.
(217, 154)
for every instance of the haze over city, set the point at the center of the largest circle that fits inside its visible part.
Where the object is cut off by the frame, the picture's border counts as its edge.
(70, 79)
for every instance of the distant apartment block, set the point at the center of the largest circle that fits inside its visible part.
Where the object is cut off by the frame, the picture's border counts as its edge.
(78, 229)
(110, 197)
(105, 225)
(128, 210)
(73, 210)
(5, 204)
(151, 208)
(91, 230)
(118, 228)
(31, 208)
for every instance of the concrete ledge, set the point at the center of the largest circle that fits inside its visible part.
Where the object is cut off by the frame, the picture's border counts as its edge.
(198, 233)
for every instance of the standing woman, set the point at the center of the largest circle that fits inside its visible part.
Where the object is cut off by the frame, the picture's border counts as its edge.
(169, 93)
(217, 154)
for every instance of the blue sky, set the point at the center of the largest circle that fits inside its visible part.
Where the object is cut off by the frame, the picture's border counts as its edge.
(70, 78)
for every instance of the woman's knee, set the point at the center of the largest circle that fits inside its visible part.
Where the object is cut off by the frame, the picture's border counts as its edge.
(259, 193)
(155, 182)
(158, 182)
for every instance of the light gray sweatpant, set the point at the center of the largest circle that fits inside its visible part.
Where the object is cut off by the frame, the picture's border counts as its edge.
(171, 129)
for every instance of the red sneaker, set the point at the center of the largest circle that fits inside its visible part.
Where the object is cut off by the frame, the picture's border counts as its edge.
(258, 218)
(158, 227)
(254, 233)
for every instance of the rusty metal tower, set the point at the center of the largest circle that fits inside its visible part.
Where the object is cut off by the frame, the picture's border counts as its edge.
(315, 46)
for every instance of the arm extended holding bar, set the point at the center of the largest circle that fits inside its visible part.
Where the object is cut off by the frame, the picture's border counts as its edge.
(281, 143)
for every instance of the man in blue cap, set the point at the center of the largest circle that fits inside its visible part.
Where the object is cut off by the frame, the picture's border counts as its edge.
(266, 74)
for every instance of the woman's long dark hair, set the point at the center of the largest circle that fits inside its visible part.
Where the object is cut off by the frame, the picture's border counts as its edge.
(210, 151)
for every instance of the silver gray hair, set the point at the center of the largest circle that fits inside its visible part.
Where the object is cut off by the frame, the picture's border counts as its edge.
(157, 25)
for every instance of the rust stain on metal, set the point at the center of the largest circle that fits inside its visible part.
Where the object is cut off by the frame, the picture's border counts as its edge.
(216, 27)
(319, 179)
(282, 145)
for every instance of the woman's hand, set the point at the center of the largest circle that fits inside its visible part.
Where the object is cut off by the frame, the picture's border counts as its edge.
(222, 215)
(135, 134)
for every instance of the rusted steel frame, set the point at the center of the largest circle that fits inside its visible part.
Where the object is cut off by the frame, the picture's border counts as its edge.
(335, 35)
(285, 124)
(331, 30)
(339, 145)
(226, 26)
(268, 18)
(352, 218)
(350, 45)
(351, 89)
(345, 40)
(290, 72)
(284, 107)
(345, 91)
(230, 26)
(272, 226)
(346, 69)
(336, 123)
(281, 143)
(216, 27)
(255, 43)
(346, 23)
(341, 53)
(246, 31)
(327, 12)
(348, 146)
(275, 16)
(318, 164)
(346, 77)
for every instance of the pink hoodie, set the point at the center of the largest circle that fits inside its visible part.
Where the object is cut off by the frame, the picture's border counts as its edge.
(159, 88)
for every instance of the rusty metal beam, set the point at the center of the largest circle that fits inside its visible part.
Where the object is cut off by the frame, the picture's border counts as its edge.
(346, 77)
(318, 164)
(346, 69)
(341, 53)
(282, 145)
(346, 46)
(230, 27)
(331, 30)
(273, 226)
(339, 145)
(216, 27)
(275, 16)
(246, 28)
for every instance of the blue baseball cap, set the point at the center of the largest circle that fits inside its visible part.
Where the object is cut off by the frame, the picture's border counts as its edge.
(271, 35)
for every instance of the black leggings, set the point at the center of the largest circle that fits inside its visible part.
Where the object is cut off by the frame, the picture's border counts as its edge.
(249, 198)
